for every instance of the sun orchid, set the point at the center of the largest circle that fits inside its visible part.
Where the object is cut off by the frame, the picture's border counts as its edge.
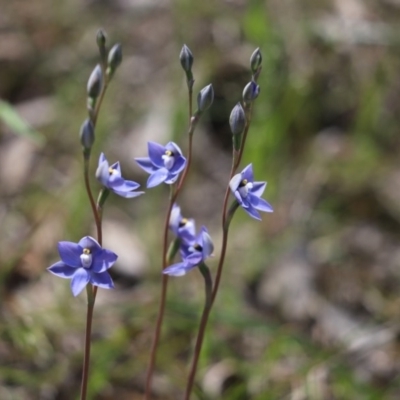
(84, 262)
(248, 193)
(110, 177)
(164, 163)
(193, 253)
(183, 228)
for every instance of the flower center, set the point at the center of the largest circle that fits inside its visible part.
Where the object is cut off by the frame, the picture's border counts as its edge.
(86, 258)
(169, 159)
(197, 247)
(183, 222)
(244, 187)
(111, 170)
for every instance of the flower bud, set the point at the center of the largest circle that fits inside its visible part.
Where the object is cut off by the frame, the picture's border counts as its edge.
(205, 98)
(251, 92)
(87, 134)
(255, 60)
(186, 59)
(237, 120)
(114, 57)
(101, 44)
(95, 82)
(101, 38)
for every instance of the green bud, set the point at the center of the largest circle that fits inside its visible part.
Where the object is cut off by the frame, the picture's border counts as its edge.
(101, 38)
(101, 44)
(114, 58)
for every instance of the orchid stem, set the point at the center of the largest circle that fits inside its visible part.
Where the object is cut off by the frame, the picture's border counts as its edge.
(226, 219)
(165, 261)
(90, 289)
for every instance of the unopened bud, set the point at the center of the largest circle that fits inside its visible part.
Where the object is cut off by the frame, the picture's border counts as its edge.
(251, 92)
(114, 57)
(186, 58)
(101, 38)
(87, 134)
(95, 82)
(237, 120)
(101, 44)
(205, 98)
(255, 60)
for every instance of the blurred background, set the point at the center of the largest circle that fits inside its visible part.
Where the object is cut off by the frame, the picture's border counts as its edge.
(309, 305)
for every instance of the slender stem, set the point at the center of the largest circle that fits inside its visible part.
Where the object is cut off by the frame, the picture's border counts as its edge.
(156, 338)
(92, 202)
(88, 333)
(91, 290)
(248, 109)
(206, 311)
(164, 287)
(225, 229)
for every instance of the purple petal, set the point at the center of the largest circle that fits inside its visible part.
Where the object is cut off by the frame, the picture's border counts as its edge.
(102, 158)
(62, 270)
(171, 146)
(157, 177)
(126, 185)
(235, 182)
(146, 164)
(179, 165)
(70, 253)
(175, 218)
(156, 151)
(102, 280)
(260, 204)
(207, 244)
(116, 166)
(171, 178)
(103, 261)
(102, 172)
(88, 242)
(179, 269)
(194, 258)
(247, 173)
(253, 213)
(258, 188)
(127, 195)
(79, 281)
(238, 197)
(188, 231)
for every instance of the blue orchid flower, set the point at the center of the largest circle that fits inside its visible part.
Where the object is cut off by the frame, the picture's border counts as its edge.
(84, 262)
(193, 252)
(248, 193)
(164, 163)
(183, 228)
(110, 177)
